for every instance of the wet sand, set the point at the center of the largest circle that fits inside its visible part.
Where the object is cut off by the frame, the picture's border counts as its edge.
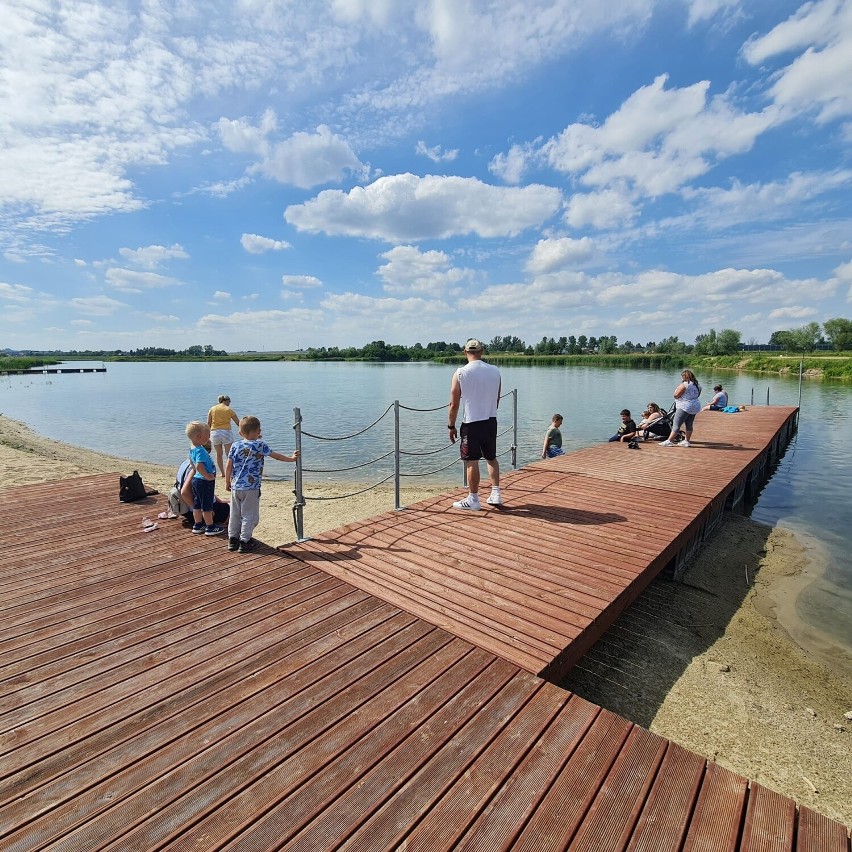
(719, 662)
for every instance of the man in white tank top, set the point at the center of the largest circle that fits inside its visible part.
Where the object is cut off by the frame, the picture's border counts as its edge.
(477, 387)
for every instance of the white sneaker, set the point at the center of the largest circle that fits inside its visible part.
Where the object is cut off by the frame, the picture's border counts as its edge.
(495, 499)
(666, 443)
(471, 503)
(684, 443)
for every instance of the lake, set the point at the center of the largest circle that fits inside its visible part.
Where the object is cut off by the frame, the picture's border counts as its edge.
(139, 411)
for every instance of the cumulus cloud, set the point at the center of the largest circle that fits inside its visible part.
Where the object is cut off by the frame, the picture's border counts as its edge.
(704, 10)
(241, 136)
(407, 207)
(133, 281)
(409, 270)
(151, 257)
(301, 282)
(306, 160)
(255, 244)
(550, 255)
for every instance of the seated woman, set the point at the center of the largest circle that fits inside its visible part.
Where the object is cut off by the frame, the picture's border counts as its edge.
(719, 401)
(646, 428)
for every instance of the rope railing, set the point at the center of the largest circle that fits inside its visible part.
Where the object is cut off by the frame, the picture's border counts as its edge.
(397, 453)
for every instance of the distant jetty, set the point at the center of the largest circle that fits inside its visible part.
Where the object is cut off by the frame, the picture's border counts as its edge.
(38, 371)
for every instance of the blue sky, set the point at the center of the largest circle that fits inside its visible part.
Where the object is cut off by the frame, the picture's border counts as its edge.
(268, 174)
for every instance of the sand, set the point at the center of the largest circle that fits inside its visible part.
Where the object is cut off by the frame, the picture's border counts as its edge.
(719, 662)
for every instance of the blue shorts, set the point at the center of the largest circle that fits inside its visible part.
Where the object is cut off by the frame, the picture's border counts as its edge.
(203, 491)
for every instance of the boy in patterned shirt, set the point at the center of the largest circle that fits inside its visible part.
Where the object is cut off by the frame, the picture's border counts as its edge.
(242, 478)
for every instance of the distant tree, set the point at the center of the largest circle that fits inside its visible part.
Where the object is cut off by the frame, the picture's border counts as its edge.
(607, 344)
(839, 332)
(803, 339)
(583, 342)
(705, 344)
(572, 345)
(672, 346)
(779, 338)
(728, 342)
(593, 344)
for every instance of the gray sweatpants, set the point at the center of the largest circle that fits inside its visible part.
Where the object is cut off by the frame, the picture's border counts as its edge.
(245, 513)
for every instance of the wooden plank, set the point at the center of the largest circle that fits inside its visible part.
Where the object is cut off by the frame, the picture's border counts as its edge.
(818, 833)
(718, 814)
(770, 823)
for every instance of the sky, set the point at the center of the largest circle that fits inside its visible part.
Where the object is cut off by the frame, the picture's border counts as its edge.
(268, 175)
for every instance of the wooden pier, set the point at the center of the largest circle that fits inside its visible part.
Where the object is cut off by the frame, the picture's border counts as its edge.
(376, 688)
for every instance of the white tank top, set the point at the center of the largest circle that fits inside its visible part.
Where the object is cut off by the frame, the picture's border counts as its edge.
(480, 387)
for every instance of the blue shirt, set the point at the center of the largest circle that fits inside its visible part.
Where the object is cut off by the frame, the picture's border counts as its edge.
(201, 458)
(247, 459)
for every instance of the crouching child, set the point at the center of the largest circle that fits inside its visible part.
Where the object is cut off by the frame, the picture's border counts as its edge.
(243, 473)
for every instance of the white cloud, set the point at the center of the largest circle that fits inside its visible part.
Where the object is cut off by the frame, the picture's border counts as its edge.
(607, 209)
(240, 136)
(15, 292)
(100, 306)
(550, 255)
(436, 154)
(132, 281)
(310, 159)
(409, 270)
(704, 10)
(406, 207)
(793, 312)
(301, 282)
(151, 257)
(78, 262)
(818, 79)
(221, 296)
(255, 244)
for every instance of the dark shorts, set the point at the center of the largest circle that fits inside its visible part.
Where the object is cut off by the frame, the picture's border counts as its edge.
(221, 512)
(479, 440)
(716, 408)
(203, 491)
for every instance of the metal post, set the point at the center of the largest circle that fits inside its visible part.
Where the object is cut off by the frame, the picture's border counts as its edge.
(801, 368)
(752, 396)
(396, 455)
(767, 395)
(299, 505)
(515, 428)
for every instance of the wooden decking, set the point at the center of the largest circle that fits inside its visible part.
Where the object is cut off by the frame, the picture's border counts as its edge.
(539, 580)
(159, 692)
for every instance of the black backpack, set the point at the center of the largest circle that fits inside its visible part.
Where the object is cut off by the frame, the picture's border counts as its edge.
(131, 488)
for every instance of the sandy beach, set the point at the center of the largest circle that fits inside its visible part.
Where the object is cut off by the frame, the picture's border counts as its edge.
(719, 662)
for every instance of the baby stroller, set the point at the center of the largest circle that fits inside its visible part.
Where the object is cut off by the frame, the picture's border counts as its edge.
(661, 428)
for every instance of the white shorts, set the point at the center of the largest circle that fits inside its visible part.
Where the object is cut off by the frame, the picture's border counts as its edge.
(220, 437)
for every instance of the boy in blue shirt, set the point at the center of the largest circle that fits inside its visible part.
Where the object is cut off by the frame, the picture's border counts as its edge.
(242, 478)
(203, 480)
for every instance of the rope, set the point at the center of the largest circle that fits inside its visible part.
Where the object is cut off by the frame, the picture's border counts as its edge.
(430, 472)
(341, 469)
(354, 493)
(353, 435)
(409, 408)
(428, 453)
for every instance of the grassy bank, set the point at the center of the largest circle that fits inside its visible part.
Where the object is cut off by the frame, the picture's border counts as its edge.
(822, 366)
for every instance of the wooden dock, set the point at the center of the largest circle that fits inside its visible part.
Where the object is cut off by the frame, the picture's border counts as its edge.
(160, 692)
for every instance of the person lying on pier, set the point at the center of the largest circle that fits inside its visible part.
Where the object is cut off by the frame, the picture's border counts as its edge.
(553, 439)
(627, 431)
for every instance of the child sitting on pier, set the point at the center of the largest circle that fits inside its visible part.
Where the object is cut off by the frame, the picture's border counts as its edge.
(242, 478)
(627, 430)
(553, 439)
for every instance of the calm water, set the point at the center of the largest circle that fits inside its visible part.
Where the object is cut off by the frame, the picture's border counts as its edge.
(138, 411)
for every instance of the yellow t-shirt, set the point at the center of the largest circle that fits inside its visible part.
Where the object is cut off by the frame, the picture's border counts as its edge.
(221, 416)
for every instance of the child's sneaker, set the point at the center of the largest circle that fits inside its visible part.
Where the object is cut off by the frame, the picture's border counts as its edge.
(471, 503)
(213, 529)
(233, 543)
(246, 546)
(198, 529)
(667, 443)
